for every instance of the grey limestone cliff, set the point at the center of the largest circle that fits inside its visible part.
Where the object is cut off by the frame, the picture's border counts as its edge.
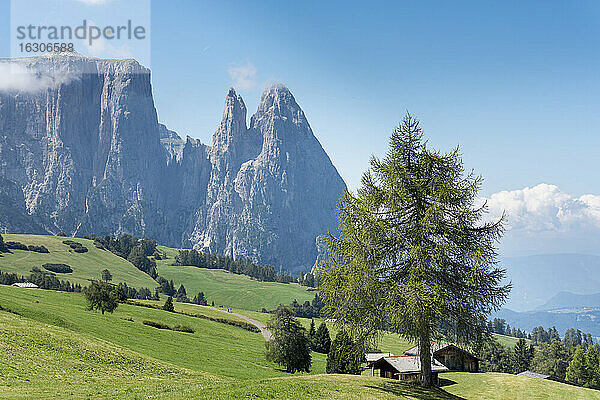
(81, 151)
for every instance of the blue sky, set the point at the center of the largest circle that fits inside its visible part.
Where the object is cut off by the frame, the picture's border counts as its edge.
(515, 84)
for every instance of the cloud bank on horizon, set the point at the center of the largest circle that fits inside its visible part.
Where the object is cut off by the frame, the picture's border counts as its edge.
(544, 219)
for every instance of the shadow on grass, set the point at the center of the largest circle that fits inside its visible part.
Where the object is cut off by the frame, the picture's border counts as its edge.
(416, 390)
(446, 382)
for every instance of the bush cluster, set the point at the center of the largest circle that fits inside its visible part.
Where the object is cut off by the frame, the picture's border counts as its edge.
(183, 328)
(77, 247)
(240, 324)
(31, 247)
(156, 324)
(58, 268)
(242, 266)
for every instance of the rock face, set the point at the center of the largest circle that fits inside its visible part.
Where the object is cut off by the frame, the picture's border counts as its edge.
(81, 151)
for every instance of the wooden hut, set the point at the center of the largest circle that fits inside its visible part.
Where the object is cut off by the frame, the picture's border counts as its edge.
(406, 368)
(453, 357)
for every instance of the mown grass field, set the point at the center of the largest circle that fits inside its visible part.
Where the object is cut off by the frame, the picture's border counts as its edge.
(85, 265)
(230, 290)
(56, 348)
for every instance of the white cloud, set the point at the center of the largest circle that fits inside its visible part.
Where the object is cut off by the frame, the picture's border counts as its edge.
(18, 77)
(244, 77)
(544, 219)
(545, 209)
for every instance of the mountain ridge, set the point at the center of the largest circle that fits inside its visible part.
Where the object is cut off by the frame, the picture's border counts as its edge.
(88, 155)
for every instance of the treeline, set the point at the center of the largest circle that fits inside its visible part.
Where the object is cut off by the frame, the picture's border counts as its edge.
(180, 295)
(140, 294)
(43, 279)
(308, 309)
(6, 247)
(136, 251)
(499, 326)
(241, 266)
(574, 358)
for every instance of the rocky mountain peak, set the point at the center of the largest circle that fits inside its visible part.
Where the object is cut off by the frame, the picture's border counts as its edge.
(278, 103)
(90, 156)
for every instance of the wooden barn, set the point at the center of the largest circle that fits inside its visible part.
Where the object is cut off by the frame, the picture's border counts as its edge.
(406, 368)
(453, 357)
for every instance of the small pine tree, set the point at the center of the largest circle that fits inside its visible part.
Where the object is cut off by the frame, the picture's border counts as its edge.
(289, 346)
(106, 275)
(156, 295)
(523, 356)
(312, 333)
(181, 294)
(344, 356)
(169, 305)
(322, 340)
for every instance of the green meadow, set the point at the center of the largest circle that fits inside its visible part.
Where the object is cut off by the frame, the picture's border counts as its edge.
(230, 290)
(85, 265)
(52, 347)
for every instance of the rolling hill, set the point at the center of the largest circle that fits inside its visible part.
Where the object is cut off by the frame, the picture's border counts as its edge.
(85, 265)
(230, 290)
(52, 347)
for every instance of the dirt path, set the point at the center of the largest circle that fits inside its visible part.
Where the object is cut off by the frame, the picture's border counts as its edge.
(263, 328)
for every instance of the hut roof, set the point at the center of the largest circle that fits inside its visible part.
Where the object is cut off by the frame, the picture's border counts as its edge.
(436, 347)
(532, 374)
(372, 357)
(25, 285)
(410, 364)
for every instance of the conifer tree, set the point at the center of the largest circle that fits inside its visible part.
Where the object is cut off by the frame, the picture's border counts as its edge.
(168, 306)
(312, 333)
(289, 346)
(322, 341)
(414, 254)
(345, 355)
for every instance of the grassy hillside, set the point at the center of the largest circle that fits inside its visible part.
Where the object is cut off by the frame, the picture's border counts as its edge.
(57, 349)
(85, 265)
(233, 354)
(497, 386)
(230, 290)
(507, 341)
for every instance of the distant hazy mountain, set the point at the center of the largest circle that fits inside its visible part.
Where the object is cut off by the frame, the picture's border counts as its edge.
(536, 279)
(568, 300)
(81, 151)
(587, 320)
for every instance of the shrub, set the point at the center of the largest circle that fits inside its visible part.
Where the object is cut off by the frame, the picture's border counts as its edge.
(37, 249)
(77, 247)
(156, 324)
(62, 234)
(183, 328)
(169, 305)
(58, 268)
(16, 246)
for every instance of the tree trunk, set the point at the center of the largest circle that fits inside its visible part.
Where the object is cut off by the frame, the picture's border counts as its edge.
(425, 358)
